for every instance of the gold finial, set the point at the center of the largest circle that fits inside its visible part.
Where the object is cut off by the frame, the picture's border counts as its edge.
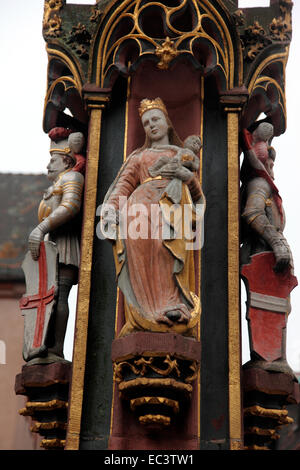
(166, 52)
(147, 104)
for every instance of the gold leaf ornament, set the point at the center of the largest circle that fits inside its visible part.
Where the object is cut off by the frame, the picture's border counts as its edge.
(166, 53)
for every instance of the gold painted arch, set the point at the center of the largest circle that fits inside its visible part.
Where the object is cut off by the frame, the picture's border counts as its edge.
(64, 91)
(124, 26)
(64, 58)
(266, 89)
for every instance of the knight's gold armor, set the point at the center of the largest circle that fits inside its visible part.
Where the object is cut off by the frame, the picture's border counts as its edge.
(59, 222)
(59, 207)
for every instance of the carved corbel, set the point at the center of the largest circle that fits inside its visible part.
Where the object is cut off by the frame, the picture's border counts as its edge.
(46, 387)
(154, 373)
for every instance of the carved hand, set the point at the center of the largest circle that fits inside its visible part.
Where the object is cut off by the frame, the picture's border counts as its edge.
(280, 248)
(110, 221)
(173, 170)
(154, 170)
(36, 237)
(282, 254)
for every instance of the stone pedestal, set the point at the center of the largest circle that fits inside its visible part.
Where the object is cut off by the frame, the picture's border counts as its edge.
(266, 396)
(46, 387)
(155, 375)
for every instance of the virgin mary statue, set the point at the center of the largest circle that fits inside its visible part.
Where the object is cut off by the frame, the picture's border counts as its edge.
(153, 213)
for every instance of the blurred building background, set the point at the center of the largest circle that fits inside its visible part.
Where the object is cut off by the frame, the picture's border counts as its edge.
(19, 199)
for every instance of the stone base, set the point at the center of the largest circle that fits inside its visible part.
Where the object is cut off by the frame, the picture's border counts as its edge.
(266, 395)
(155, 374)
(46, 387)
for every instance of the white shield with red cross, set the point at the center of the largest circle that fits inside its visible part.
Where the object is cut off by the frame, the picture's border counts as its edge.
(268, 305)
(38, 303)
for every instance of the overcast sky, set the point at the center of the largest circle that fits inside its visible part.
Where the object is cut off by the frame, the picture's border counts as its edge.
(25, 146)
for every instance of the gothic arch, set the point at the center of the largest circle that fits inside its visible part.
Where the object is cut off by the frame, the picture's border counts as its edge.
(165, 32)
(267, 92)
(63, 102)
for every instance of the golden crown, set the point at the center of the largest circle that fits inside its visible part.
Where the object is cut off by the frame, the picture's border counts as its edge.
(147, 104)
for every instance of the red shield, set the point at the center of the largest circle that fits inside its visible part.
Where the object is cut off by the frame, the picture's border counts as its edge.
(38, 303)
(268, 305)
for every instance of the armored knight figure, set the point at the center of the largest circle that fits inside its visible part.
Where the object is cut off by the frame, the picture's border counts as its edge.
(263, 211)
(58, 232)
(266, 258)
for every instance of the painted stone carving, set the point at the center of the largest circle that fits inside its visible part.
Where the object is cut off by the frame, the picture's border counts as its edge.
(153, 213)
(51, 265)
(155, 374)
(267, 264)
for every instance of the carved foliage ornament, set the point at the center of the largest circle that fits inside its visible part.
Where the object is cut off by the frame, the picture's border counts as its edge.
(96, 13)
(156, 387)
(256, 37)
(51, 20)
(78, 38)
(163, 366)
(166, 53)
